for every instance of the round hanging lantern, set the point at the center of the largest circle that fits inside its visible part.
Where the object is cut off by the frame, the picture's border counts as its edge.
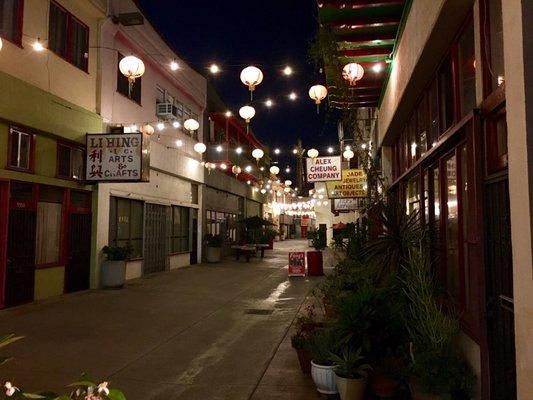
(318, 93)
(348, 154)
(132, 68)
(247, 113)
(312, 153)
(1, 44)
(251, 77)
(352, 73)
(258, 154)
(263, 191)
(236, 170)
(287, 190)
(148, 129)
(274, 170)
(288, 182)
(191, 125)
(200, 148)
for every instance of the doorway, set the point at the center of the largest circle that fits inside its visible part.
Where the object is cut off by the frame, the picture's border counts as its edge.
(79, 253)
(194, 241)
(155, 249)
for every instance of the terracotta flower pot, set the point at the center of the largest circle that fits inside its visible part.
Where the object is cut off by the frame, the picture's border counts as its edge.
(383, 385)
(324, 378)
(351, 389)
(304, 360)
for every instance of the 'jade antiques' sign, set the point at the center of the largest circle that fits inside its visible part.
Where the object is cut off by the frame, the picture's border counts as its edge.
(353, 184)
(323, 169)
(121, 157)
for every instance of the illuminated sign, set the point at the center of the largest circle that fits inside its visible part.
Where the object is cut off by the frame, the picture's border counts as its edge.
(353, 184)
(322, 169)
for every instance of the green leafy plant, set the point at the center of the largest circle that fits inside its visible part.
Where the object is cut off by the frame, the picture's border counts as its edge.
(117, 253)
(317, 238)
(299, 340)
(350, 364)
(213, 240)
(321, 344)
(7, 340)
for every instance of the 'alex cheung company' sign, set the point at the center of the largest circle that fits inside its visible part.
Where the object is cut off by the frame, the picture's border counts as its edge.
(322, 169)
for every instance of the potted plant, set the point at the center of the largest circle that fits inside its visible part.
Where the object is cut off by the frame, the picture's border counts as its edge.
(114, 267)
(315, 263)
(270, 234)
(321, 344)
(214, 247)
(351, 374)
(298, 342)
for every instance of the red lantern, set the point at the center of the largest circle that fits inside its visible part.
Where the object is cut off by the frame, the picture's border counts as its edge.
(352, 73)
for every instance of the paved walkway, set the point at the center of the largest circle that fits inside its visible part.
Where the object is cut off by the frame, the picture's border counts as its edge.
(202, 332)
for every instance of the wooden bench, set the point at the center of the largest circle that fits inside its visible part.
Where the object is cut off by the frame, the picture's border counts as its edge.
(246, 249)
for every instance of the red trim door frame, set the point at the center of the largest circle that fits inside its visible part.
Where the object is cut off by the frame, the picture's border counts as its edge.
(4, 215)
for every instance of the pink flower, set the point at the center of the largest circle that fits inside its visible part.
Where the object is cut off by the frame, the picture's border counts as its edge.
(102, 388)
(10, 389)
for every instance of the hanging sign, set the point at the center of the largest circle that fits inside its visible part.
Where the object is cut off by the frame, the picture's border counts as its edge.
(321, 169)
(297, 263)
(348, 204)
(353, 184)
(118, 157)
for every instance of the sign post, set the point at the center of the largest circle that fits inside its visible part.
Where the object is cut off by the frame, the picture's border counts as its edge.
(297, 263)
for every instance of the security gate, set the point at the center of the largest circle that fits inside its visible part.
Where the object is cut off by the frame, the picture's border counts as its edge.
(155, 238)
(79, 253)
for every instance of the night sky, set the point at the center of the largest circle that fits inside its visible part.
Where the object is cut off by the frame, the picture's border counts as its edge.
(266, 33)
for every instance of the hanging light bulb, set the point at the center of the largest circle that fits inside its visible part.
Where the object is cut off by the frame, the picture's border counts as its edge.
(251, 77)
(318, 93)
(223, 166)
(38, 45)
(176, 124)
(160, 126)
(288, 182)
(352, 73)
(348, 154)
(200, 148)
(132, 68)
(312, 153)
(248, 168)
(191, 125)
(288, 169)
(258, 154)
(274, 170)
(236, 170)
(263, 191)
(1, 44)
(174, 66)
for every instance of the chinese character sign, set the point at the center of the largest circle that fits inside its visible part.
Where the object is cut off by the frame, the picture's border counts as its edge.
(114, 157)
(353, 184)
(323, 169)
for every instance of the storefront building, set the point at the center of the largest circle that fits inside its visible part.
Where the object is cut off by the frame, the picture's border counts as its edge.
(159, 218)
(453, 131)
(47, 104)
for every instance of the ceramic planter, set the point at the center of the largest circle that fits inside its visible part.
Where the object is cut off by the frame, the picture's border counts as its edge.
(213, 254)
(383, 385)
(351, 389)
(417, 393)
(304, 360)
(113, 274)
(324, 378)
(315, 263)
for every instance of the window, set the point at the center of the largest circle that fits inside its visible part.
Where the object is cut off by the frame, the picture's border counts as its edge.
(496, 141)
(224, 224)
(20, 150)
(433, 111)
(493, 33)
(68, 37)
(446, 99)
(179, 231)
(11, 20)
(70, 161)
(48, 232)
(123, 85)
(466, 61)
(126, 219)
(452, 229)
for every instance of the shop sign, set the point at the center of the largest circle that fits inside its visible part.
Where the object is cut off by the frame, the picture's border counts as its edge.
(297, 263)
(118, 157)
(353, 184)
(346, 205)
(322, 169)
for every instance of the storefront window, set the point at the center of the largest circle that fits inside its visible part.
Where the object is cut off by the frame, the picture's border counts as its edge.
(433, 111)
(220, 223)
(467, 70)
(452, 228)
(421, 126)
(445, 94)
(464, 212)
(48, 232)
(413, 195)
(494, 26)
(179, 235)
(126, 224)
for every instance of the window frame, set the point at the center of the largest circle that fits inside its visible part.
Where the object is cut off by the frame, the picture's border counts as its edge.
(17, 41)
(31, 152)
(71, 147)
(68, 51)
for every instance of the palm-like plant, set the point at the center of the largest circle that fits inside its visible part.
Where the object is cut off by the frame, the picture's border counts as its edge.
(350, 364)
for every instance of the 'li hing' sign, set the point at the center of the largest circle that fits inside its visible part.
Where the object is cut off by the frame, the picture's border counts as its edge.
(323, 169)
(122, 157)
(353, 184)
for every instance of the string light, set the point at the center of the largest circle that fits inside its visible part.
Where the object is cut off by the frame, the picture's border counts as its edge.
(37, 45)
(377, 68)
(287, 71)
(292, 96)
(248, 168)
(238, 150)
(288, 169)
(160, 126)
(330, 150)
(176, 124)
(294, 151)
(179, 143)
(269, 103)
(219, 148)
(228, 113)
(214, 69)
(223, 166)
(174, 66)
(277, 151)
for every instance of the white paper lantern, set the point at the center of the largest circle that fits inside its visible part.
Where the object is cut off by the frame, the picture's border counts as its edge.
(258, 154)
(247, 113)
(236, 170)
(251, 77)
(288, 182)
(148, 129)
(318, 93)
(131, 67)
(312, 153)
(263, 191)
(191, 125)
(352, 73)
(200, 148)
(348, 154)
(274, 170)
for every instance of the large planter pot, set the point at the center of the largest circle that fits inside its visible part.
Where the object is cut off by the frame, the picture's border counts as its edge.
(324, 378)
(382, 384)
(417, 393)
(315, 263)
(271, 244)
(351, 389)
(213, 254)
(113, 273)
(304, 360)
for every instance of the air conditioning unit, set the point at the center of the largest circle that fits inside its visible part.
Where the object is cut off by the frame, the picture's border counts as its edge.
(164, 110)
